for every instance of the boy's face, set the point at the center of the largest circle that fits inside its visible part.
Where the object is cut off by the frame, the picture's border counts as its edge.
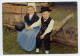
(45, 14)
(30, 10)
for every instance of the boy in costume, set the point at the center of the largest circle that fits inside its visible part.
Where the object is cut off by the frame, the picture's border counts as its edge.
(46, 23)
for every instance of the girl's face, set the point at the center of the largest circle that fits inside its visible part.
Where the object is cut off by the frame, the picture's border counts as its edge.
(30, 10)
(45, 14)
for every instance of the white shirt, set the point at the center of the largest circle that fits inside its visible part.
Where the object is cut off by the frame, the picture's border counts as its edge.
(31, 15)
(49, 28)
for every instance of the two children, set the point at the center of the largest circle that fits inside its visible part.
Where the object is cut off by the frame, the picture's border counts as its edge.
(46, 23)
(36, 30)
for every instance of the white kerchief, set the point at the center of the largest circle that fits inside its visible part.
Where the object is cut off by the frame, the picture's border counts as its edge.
(32, 4)
(31, 15)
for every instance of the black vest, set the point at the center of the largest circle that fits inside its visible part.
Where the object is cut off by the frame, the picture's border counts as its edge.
(44, 24)
(30, 22)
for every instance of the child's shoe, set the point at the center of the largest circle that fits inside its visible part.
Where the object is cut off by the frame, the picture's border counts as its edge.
(46, 51)
(37, 50)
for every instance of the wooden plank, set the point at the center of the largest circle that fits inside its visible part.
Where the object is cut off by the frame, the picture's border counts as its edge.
(57, 28)
(20, 3)
(17, 18)
(43, 4)
(63, 22)
(66, 42)
(60, 25)
(6, 18)
(11, 19)
(6, 8)
(24, 9)
(23, 17)
(16, 9)
(9, 26)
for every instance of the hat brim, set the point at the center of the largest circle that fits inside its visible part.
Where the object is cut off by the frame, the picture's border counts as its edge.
(45, 10)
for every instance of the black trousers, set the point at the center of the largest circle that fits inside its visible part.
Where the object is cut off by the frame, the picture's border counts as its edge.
(46, 40)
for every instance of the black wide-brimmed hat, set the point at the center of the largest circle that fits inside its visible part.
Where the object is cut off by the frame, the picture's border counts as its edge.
(45, 9)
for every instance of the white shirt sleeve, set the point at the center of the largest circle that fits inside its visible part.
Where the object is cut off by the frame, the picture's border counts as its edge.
(50, 27)
(35, 24)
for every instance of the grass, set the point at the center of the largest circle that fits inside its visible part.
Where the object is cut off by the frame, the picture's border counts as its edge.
(10, 45)
(59, 12)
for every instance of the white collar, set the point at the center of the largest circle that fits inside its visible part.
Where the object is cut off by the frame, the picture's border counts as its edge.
(30, 15)
(45, 19)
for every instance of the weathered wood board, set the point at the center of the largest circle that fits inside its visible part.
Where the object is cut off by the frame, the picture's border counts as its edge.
(6, 18)
(13, 14)
(61, 24)
(6, 8)
(15, 9)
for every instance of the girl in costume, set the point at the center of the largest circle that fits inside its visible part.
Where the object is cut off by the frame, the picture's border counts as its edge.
(27, 38)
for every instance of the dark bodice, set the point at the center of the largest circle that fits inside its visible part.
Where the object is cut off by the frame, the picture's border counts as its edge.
(30, 22)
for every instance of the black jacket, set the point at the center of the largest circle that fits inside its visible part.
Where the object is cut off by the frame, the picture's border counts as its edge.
(30, 22)
(45, 24)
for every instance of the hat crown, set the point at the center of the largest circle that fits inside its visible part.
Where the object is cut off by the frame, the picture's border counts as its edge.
(45, 9)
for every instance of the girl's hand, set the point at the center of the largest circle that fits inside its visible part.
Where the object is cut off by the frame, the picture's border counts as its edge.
(42, 36)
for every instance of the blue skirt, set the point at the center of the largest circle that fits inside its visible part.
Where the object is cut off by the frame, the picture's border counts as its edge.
(27, 39)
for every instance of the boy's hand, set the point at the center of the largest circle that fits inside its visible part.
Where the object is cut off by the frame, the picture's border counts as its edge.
(42, 36)
(27, 28)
